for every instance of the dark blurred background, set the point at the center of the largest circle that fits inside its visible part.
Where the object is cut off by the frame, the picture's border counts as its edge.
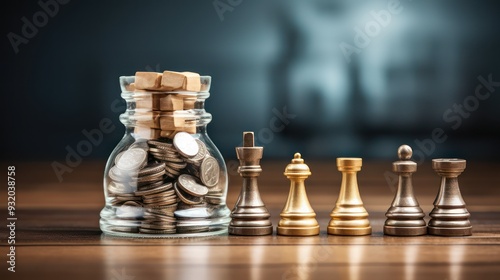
(326, 78)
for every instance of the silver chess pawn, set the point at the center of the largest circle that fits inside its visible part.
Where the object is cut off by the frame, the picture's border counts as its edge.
(250, 216)
(405, 217)
(449, 216)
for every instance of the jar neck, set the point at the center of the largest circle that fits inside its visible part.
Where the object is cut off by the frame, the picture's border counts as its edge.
(137, 115)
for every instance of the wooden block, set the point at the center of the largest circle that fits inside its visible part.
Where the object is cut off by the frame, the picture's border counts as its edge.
(189, 103)
(158, 101)
(130, 87)
(192, 81)
(171, 102)
(172, 80)
(146, 132)
(172, 121)
(191, 129)
(190, 126)
(148, 80)
(146, 101)
(147, 119)
(181, 81)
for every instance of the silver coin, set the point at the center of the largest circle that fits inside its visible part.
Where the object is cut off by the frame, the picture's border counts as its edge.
(177, 166)
(118, 156)
(162, 221)
(189, 184)
(209, 172)
(159, 144)
(132, 159)
(163, 203)
(164, 210)
(130, 209)
(171, 176)
(118, 201)
(193, 213)
(151, 169)
(213, 199)
(167, 217)
(168, 158)
(193, 170)
(160, 217)
(150, 186)
(158, 189)
(118, 188)
(162, 198)
(162, 151)
(171, 170)
(164, 194)
(141, 185)
(151, 178)
(124, 198)
(187, 198)
(192, 229)
(186, 144)
(132, 204)
(202, 153)
(118, 175)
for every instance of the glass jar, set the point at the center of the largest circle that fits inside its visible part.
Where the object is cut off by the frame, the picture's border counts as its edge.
(165, 178)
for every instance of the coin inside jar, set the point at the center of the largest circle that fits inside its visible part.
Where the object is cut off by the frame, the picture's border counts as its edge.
(187, 198)
(151, 169)
(185, 144)
(188, 184)
(209, 172)
(132, 159)
(202, 153)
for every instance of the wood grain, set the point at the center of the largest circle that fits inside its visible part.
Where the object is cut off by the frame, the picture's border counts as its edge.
(58, 236)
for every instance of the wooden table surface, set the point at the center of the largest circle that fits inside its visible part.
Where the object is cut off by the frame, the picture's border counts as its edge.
(58, 236)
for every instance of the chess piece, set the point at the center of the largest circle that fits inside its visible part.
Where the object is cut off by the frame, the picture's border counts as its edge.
(405, 217)
(250, 216)
(449, 216)
(297, 218)
(349, 217)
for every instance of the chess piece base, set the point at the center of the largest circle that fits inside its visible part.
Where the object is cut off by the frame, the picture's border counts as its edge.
(350, 231)
(298, 231)
(460, 231)
(266, 230)
(405, 231)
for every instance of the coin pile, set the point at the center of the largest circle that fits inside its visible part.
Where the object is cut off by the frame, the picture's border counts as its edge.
(166, 184)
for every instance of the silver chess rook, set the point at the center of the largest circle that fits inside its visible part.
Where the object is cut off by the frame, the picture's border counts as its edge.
(250, 216)
(405, 217)
(449, 216)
